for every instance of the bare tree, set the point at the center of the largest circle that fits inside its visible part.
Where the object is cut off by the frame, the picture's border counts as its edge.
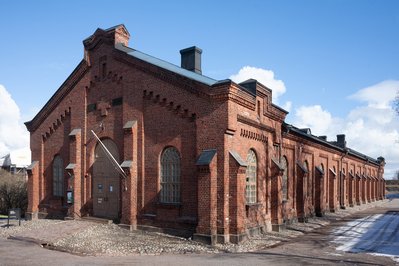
(13, 192)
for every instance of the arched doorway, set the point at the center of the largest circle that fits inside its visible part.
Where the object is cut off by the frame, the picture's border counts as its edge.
(106, 182)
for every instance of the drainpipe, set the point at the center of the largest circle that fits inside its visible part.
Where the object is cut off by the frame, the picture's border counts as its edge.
(341, 185)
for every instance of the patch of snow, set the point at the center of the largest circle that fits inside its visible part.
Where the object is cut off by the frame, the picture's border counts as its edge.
(375, 234)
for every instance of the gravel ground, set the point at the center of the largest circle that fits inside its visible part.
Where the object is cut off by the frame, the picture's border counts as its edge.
(111, 240)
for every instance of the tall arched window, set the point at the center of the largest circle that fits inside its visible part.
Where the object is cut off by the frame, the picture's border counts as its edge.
(309, 180)
(58, 176)
(170, 176)
(284, 185)
(250, 188)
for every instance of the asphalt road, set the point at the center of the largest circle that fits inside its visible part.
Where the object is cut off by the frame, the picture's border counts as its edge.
(316, 248)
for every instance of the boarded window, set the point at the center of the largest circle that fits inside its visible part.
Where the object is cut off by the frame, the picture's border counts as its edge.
(284, 165)
(251, 174)
(170, 176)
(58, 176)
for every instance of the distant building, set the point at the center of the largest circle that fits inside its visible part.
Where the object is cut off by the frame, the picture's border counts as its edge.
(16, 161)
(211, 158)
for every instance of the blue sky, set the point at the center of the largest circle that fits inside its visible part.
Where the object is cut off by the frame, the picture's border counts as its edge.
(336, 62)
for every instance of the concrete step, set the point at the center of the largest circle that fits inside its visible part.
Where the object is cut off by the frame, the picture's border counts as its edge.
(97, 220)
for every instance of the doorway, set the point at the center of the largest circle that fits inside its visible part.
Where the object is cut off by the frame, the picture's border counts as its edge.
(106, 182)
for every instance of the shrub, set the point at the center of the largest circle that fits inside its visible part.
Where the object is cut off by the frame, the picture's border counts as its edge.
(13, 192)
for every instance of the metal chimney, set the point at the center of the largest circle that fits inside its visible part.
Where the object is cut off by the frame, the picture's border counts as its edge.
(191, 59)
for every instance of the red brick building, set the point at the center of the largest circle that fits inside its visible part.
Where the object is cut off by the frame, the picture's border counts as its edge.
(206, 157)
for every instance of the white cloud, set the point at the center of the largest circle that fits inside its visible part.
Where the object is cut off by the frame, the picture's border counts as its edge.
(371, 128)
(379, 95)
(313, 117)
(264, 76)
(287, 106)
(13, 134)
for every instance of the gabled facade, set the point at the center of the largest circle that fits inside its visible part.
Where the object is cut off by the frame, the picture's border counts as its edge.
(202, 157)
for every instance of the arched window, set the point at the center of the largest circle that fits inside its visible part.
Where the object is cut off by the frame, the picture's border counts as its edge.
(170, 176)
(250, 189)
(322, 167)
(284, 185)
(309, 180)
(58, 176)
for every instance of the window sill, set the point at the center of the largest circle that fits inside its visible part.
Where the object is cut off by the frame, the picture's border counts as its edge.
(253, 204)
(249, 206)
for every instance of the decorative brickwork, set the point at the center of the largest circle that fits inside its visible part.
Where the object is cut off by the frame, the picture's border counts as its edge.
(145, 106)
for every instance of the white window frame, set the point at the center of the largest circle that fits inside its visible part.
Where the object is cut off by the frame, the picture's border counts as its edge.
(251, 178)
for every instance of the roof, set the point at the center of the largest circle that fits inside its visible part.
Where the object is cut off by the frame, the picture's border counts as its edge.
(238, 158)
(166, 65)
(321, 140)
(206, 157)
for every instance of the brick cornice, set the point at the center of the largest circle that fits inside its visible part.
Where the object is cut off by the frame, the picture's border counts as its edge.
(64, 89)
(162, 74)
(256, 124)
(321, 147)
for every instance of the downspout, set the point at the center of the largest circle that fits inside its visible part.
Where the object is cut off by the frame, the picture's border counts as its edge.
(341, 187)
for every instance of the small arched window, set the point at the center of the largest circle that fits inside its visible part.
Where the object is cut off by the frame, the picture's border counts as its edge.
(251, 176)
(58, 176)
(284, 185)
(170, 176)
(322, 167)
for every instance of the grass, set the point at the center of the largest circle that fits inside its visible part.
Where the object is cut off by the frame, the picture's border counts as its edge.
(3, 216)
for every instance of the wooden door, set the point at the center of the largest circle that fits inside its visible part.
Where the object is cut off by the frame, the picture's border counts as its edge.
(106, 182)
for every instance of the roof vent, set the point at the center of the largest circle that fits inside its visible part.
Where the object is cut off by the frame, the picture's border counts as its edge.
(323, 138)
(306, 131)
(191, 59)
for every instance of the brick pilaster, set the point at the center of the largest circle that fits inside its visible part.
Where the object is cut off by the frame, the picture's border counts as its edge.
(129, 165)
(33, 191)
(207, 201)
(237, 169)
(74, 168)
